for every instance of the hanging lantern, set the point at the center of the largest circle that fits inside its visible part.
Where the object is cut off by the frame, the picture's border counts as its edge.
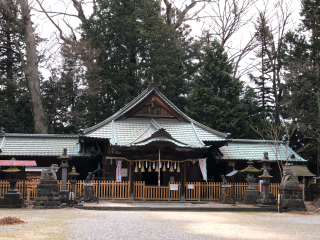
(157, 169)
(160, 165)
(149, 168)
(178, 169)
(136, 168)
(142, 168)
(175, 165)
(171, 168)
(154, 166)
(168, 164)
(164, 168)
(146, 164)
(139, 164)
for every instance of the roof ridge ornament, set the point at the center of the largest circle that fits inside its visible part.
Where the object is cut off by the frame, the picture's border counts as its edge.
(153, 86)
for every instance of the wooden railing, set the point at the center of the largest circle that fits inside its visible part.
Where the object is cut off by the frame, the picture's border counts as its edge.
(194, 191)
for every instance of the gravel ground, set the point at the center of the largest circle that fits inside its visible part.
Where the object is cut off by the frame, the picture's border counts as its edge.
(211, 204)
(85, 224)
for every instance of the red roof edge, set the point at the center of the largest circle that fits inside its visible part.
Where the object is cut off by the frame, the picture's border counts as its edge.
(18, 163)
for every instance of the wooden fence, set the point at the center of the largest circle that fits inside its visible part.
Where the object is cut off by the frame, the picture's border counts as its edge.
(195, 191)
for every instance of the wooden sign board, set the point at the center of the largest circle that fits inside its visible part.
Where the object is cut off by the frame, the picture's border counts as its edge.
(174, 187)
(190, 186)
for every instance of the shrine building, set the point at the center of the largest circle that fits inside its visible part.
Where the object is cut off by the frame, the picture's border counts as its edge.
(147, 129)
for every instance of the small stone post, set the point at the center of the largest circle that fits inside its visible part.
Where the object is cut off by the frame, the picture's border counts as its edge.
(64, 193)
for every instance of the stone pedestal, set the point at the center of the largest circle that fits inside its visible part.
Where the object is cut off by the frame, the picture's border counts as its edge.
(48, 190)
(291, 192)
(225, 193)
(48, 195)
(12, 198)
(73, 185)
(88, 194)
(250, 195)
(266, 197)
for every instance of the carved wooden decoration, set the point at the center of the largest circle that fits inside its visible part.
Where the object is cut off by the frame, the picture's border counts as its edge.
(153, 108)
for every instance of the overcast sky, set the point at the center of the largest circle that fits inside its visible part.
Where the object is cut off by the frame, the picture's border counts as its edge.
(47, 30)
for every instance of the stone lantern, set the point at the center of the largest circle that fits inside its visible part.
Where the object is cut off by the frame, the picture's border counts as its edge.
(12, 197)
(64, 193)
(250, 195)
(267, 197)
(73, 174)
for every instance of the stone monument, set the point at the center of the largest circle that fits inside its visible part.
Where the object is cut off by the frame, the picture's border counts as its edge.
(291, 192)
(225, 191)
(88, 191)
(48, 190)
(250, 195)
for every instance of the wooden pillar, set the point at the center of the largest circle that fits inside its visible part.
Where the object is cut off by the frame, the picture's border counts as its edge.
(131, 179)
(183, 182)
(104, 167)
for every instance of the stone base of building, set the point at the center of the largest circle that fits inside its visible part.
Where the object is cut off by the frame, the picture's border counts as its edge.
(48, 195)
(293, 198)
(250, 196)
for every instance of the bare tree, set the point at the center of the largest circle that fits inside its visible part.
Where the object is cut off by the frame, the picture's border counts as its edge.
(18, 12)
(224, 21)
(278, 137)
(176, 15)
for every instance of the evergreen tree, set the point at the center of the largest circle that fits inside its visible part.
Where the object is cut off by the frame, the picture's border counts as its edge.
(15, 105)
(302, 61)
(215, 98)
(135, 44)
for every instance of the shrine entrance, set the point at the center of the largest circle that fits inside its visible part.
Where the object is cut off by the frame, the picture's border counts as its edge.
(151, 178)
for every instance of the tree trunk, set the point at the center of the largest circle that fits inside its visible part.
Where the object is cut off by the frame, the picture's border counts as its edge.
(31, 71)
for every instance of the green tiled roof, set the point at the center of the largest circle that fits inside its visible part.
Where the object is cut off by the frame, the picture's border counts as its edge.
(246, 149)
(12, 144)
(126, 132)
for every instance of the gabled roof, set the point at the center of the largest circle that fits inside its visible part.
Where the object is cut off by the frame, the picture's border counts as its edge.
(246, 149)
(124, 130)
(16, 144)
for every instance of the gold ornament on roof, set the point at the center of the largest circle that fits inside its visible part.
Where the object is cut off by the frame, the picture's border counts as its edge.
(73, 172)
(12, 169)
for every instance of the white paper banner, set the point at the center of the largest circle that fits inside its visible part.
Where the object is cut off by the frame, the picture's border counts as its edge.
(118, 171)
(203, 167)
